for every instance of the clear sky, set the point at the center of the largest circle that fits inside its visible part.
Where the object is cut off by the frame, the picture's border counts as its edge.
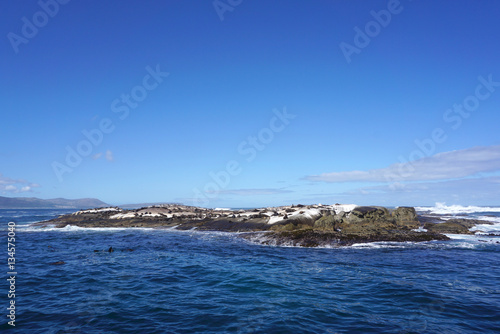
(239, 103)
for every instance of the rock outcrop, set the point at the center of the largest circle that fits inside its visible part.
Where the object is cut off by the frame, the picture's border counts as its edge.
(320, 238)
(406, 217)
(304, 225)
(370, 219)
(455, 226)
(327, 222)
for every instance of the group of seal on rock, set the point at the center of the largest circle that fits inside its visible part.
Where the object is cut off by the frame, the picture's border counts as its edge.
(300, 225)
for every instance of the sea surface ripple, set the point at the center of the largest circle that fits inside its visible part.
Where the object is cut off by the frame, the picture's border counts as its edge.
(166, 281)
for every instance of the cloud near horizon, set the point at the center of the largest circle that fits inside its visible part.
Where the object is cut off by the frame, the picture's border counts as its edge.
(468, 191)
(8, 185)
(481, 191)
(442, 166)
(252, 192)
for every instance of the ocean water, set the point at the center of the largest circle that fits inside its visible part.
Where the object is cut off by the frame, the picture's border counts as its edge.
(167, 281)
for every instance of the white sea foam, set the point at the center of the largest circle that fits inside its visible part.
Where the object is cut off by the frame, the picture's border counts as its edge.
(443, 209)
(72, 228)
(457, 241)
(470, 241)
(383, 244)
(486, 228)
(489, 218)
(461, 237)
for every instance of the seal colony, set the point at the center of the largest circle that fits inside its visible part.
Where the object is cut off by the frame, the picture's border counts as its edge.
(294, 225)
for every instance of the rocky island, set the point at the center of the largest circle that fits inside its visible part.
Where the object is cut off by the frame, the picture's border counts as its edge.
(294, 225)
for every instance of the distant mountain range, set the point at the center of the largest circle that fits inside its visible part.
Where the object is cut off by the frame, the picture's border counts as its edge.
(56, 203)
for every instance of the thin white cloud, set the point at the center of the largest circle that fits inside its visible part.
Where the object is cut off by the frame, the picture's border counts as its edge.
(8, 185)
(10, 188)
(467, 191)
(481, 191)
(442, 166)
(109, 156)
(252, 192)
(6, 181)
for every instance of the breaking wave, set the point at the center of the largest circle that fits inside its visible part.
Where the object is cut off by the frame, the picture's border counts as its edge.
(443, 209)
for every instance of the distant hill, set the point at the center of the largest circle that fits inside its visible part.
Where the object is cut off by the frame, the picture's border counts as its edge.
(56, 203)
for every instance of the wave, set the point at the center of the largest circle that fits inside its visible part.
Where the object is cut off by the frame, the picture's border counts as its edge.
(385, 244)
(485, 228)
(458, 241)
(469, 241)
(71, 228)
(443, 209)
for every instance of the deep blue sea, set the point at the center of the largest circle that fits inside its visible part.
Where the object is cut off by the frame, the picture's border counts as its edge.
(167, 281)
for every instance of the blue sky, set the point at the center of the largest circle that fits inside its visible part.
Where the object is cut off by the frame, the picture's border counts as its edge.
(238, 103)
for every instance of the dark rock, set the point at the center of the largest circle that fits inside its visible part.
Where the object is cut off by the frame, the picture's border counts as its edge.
(285, 227)
(367, 219)
(470, 222)
(326, 212)
(370, 214)
(455, 226)
(227, 225)
(406, 217)
(325, 223)
(315, 238)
